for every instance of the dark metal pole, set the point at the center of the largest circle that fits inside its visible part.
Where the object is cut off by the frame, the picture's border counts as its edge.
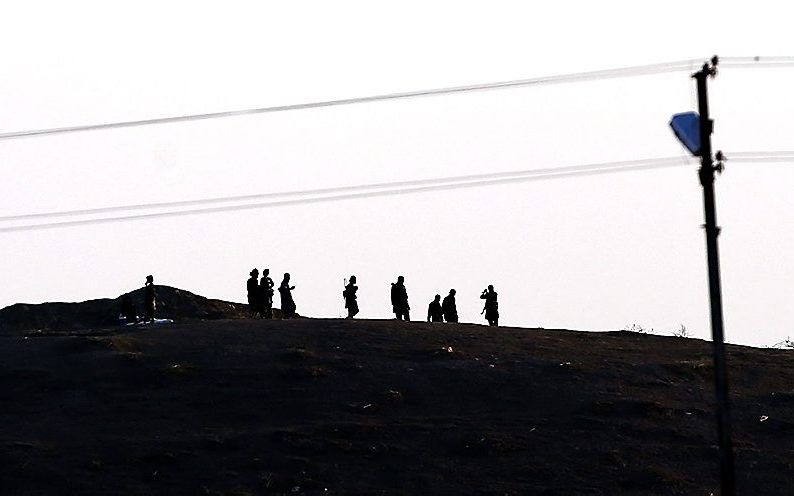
(707, 169)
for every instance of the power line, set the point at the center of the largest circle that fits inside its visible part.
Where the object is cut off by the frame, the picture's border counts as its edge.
(776, 157)
(769, 159)
(640, 70)
(756, 156)
(780, 155)
(757, 61)
(763, 153)
(421, 186)
(368, 191)
(328, 191)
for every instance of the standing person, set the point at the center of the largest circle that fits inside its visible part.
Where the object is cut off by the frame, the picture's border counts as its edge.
(434, 313)
(350, 298)
(266, 285)
(253, 292)
(287, 303)
(149, 298)
(491, 309)
(449, 308)
(399, 300)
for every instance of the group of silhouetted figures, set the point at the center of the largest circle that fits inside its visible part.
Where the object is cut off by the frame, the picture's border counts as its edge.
(260, 295)
(260, 300)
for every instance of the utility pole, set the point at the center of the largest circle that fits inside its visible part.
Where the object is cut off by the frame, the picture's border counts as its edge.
(706, 173)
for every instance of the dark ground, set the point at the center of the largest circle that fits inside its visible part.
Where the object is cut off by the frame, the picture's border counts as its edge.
(239, 407)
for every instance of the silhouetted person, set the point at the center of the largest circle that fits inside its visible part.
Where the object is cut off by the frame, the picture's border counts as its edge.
(253, 292)
(399, 299)
(350, 298)
(491, 309)
(287, 303)
(266, 285)
(128, 310)
(149, 298)
(434, 313)
(449, 307)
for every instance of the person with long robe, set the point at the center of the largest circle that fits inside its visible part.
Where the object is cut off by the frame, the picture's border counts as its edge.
(287, 303)
(252, 288)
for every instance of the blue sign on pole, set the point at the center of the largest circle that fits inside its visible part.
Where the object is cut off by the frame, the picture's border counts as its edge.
(686, 127)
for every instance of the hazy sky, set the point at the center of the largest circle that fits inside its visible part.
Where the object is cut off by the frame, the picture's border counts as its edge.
(590, 253)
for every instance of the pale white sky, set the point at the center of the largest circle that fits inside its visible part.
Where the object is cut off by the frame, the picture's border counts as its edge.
(585, 253)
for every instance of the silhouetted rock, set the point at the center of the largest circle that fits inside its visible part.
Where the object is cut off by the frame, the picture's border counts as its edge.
(172, 303)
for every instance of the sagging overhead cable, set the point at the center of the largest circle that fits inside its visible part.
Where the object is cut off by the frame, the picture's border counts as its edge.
(755, 156)
(334, 190)
(640, 70)
(268, 200)
(757, 61)
(367, 191)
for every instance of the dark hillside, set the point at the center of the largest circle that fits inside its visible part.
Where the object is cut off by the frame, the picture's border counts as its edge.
(322, 407)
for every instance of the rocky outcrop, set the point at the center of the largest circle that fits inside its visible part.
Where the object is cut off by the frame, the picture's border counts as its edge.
(172, 303)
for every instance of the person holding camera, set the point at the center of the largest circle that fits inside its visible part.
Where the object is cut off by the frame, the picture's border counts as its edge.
(491, 309)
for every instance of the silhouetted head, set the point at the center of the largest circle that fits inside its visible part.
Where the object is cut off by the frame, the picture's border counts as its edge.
(438, 297)
(490, 288)
(254, 273)
(265, 272)
(400, 279)
(286, 276)
(353, 279)
(149, 279)
(452, 292)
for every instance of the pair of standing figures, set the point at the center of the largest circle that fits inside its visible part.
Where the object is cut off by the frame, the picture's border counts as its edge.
(260, 295)
(443, 311)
